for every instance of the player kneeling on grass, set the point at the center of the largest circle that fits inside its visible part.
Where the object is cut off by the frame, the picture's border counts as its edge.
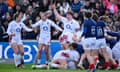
(63, 59)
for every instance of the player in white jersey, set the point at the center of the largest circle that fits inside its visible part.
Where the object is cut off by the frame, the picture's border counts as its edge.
(14, 32)
(70, 25)
(116, 52)
(63, 59)
(45, 36)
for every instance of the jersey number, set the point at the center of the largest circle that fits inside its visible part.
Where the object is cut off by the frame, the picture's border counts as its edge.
(93, 30)
(99, 32)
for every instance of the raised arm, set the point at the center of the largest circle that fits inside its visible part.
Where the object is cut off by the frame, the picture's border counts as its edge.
(59, 17)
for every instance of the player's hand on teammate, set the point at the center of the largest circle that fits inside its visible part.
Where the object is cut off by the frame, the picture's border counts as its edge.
(12, 34)
(55, 32)
(79, 40)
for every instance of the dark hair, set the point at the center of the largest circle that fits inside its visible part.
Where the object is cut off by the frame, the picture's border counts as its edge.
(70, 13)
(88, 14)
(74, 45)
(95, 17)
(17, 14)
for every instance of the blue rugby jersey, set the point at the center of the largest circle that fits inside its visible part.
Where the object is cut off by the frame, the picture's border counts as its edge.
(89, 29)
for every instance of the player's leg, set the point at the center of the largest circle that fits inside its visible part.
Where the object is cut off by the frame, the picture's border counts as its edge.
(16, 55)
(95, 52)
(41, 66)
(95, 55)
(112, 60)
(106, 57)
(89, 44)
(38, 56)
(62, 40)
(90, 60)
(20, 46)
(80, 64)
(59, 63)
(116, 53)
(47, 53)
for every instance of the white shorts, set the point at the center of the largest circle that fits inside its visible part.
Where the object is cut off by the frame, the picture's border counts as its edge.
(44, 39)
(66, 37)
(116, 51)
(17, 41)
(101, 43)
(89, 43)
(109, 51)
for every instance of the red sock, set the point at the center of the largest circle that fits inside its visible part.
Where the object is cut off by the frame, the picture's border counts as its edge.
(107, 64)
(96, 59)
(115, 66)
(91, 66)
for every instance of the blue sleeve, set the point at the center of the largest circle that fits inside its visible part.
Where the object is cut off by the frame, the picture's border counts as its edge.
(114, 34)
(104, 24)
(84, 29)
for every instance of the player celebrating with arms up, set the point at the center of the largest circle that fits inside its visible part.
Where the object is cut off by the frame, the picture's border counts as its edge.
(14, 32)
(45, 36)
(89, 33)
(70, 25)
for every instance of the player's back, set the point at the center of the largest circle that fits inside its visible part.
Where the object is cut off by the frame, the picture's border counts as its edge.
(100, 29)
(90, 26)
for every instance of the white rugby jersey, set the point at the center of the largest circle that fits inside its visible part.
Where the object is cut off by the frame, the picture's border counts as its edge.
(70, 26)
(74, 55)
(45, 26)
(60, 54)
(67, 55)
(16, 27)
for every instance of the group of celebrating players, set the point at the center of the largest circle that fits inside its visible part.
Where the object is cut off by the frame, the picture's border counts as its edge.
(91, 37)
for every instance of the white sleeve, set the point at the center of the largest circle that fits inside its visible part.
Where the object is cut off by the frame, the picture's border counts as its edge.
(26, 28)
(9, 30)
(63, 19)
(36, 24)
(77, 26)
(76, 56)
(56, 26)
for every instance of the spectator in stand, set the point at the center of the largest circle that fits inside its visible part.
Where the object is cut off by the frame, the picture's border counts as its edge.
(44, 5)
(87, 5)
(11, 3)
(111, 6)
(3, 9)
(64, 7)
(3, 34)
(16, 9)
(76, 6)
(25, 5)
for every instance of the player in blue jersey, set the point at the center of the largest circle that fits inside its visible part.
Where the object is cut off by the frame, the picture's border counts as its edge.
(89, 33)
(116, 46)
(101, 43)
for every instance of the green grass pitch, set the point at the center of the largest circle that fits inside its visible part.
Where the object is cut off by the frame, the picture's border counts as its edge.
(11, 68)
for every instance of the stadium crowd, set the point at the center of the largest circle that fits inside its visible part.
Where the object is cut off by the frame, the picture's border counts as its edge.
(106, 10)
(33, 8)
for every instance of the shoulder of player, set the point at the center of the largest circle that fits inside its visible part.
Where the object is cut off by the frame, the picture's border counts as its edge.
(74, 21)
(50, 21)
(12, 22)
(101, 22)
